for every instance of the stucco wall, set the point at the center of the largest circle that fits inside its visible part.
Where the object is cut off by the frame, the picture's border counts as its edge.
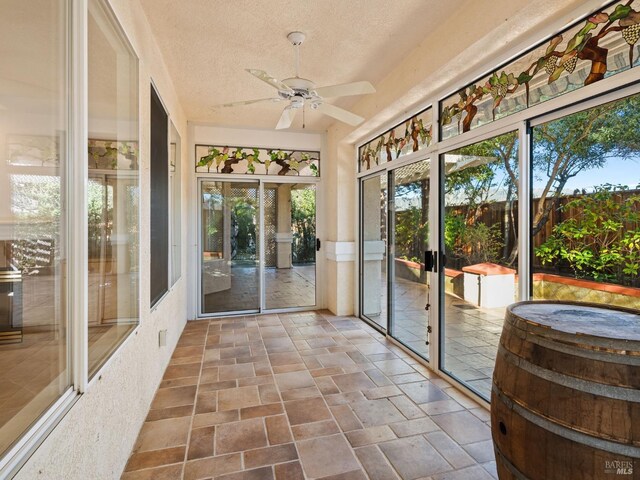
(94, 439)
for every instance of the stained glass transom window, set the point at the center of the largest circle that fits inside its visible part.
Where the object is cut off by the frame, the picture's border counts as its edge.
(256, 161)
(599, 46)
(410, 136)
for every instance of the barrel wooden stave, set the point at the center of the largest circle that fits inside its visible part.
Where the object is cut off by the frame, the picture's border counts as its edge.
(594, 414)
(552, 410)
(545, 455)
(603, 366)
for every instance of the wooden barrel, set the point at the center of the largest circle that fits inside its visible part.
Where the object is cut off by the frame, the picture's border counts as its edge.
(565, 402)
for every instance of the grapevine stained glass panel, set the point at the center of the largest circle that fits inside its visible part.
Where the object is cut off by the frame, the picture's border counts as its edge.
(258, 161)
(410, 136)
(601, 45)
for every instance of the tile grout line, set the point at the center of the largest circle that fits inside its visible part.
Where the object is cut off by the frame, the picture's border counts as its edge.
(195, 400)
(298, 340)
(293, 440)
(377, 444)
(329, 408)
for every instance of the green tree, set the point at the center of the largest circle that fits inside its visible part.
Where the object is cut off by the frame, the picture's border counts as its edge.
(484, 169)
(411, 235)
(578, 142)
(303, 222)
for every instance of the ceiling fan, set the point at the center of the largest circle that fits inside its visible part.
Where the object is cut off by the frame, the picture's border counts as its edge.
(300, 91)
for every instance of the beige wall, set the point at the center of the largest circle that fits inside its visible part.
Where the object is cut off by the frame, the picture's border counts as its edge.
(479, 37)
(95, 438)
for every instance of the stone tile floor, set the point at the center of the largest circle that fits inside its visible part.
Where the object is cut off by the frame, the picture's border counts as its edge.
(472, 333)
(306, 395)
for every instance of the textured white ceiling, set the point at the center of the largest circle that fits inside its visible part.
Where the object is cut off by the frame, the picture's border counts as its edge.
(207, 44)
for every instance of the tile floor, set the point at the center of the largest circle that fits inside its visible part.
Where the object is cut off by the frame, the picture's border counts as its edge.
(306, 395)
(471, 333)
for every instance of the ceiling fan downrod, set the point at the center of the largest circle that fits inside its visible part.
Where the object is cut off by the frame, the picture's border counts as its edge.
(296, 39)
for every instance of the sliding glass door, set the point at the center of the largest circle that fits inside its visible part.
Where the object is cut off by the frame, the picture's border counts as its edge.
(230, 270)
(479, 231)
(394, 285)
(409, 240)
(290, 245)
(257, 246)
(373, 247)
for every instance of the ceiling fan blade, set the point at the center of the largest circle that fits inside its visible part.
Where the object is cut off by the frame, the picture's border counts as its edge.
(345, 89)
(340, 114)
(288, 114)
(248, 102)
(265, 77)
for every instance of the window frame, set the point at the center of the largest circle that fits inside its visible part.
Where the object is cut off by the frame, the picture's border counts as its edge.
(75, 197)
(90, 379)
(175, 208)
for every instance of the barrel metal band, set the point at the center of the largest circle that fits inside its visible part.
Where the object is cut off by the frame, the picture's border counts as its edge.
(568, 433)
(592, 354)
(510, 466)
(609, 391)
(618, 346)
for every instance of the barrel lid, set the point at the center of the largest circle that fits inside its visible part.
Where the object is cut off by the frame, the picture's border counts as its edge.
(581, 319)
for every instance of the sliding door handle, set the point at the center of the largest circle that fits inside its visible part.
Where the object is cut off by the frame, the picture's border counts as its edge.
(430, 261)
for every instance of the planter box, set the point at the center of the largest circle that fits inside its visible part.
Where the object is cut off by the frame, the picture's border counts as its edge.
(556, 287)
(489, 285)
(411, 271)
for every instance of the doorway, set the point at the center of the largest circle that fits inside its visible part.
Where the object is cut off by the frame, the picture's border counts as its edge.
(257, 246)
(394, 237)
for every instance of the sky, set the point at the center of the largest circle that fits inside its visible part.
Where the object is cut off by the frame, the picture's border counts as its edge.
(616, 172)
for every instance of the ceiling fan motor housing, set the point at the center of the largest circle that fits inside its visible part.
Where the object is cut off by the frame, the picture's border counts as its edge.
(301, 87)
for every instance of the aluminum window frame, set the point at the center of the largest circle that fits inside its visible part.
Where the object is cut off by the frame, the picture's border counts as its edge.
(360, 240)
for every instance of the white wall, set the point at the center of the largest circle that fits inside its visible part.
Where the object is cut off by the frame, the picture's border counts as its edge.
(95, 438)
(204, 134)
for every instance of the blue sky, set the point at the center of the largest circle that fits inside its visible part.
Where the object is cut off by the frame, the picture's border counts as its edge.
(616, 171)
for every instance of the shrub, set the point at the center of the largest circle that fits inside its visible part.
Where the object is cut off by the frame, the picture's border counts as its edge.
(475, 243)
(601, 237)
